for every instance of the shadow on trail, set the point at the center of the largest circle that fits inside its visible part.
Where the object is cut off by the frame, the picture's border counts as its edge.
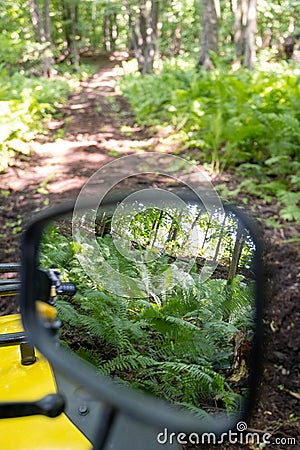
(94, 127)
(58, 168)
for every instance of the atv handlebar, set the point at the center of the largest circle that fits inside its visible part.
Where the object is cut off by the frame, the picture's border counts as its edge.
(10, 267)
(11, 286)
(66, 289)
(49, 285)
(8, 289)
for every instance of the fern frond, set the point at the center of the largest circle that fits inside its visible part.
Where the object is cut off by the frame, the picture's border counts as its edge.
(67, 313)
(196, 411)
(127, 363)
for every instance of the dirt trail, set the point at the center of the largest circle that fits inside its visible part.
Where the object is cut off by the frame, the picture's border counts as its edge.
(97, 125)
(94, 127)
(91, 135)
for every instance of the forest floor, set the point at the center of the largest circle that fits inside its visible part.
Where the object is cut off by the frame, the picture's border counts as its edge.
(94, 127)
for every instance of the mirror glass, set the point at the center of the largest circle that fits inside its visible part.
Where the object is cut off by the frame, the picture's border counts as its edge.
(164, 297)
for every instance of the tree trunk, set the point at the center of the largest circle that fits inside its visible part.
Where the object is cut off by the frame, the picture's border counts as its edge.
(48, 59)
(144, 33)
(34, 9)
(221, 234)
(42, 26)
(113, 31)
(110, 31)
(210, 32)
(75, 53)
(245, 29)
(176, 40)
(47, 20)
(289, 45)
(106, 43)
(70, 28)
(67, 27)
(250, 31)
(237, 251)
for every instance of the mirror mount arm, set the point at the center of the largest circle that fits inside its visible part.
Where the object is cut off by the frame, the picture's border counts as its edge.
(105, 426)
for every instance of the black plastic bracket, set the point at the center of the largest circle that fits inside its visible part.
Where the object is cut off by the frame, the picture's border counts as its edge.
(51, 406)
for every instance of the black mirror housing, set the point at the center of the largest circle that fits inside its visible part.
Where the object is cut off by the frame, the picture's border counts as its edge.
(119, 400)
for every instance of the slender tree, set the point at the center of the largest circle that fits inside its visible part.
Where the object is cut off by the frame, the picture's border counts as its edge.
(74, 22)
(70, 27)
(110, 29)
(237, 251)
(210, 32)
(40, 18)
(143, 22)
(36, 18)
(245, 28)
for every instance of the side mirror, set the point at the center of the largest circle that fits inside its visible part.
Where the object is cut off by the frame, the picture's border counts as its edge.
(165, 325)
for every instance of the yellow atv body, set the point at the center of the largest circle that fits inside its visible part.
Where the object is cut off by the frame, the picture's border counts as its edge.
(28, 383)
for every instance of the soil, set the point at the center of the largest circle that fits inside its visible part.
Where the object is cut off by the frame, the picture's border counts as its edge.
(95, 126)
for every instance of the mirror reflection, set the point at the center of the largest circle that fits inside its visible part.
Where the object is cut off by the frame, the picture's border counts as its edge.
(171, 308)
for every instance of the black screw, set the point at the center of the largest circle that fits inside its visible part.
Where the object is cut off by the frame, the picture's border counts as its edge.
(83, 410)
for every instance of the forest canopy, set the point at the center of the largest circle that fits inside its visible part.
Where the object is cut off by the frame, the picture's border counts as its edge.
(38, 34)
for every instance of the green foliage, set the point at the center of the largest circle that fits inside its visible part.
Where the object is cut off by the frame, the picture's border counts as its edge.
(249, 120)
(273, 24)
(228, 118)
(24, 104)
(103, 25)
(180, 26)
(170, 347)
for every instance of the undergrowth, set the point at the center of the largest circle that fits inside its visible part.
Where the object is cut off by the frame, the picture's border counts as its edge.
(25, 103)
(239, 119)
(179, 348)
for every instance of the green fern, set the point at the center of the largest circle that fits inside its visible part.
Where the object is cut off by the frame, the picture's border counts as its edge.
(167, 346)
(246, 121)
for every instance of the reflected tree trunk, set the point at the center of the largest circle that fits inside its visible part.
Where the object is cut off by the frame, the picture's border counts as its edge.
(221, 234)
(237, 251)
(206, 231)
(234, 264)
(156, 226)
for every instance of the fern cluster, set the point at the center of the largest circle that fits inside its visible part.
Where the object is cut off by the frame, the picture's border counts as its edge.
(248, 120)
(177, 346)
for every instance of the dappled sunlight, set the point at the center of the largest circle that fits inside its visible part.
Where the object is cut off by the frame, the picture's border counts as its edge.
(57, 161)
(80, 106)
(95, 131)
(96, 126)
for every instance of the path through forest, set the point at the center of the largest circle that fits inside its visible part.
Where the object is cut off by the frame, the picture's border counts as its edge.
(90, 134)
(94, 127)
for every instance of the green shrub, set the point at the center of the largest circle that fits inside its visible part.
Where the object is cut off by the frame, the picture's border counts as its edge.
(178, 348)
(249, 120)
(25, 103)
